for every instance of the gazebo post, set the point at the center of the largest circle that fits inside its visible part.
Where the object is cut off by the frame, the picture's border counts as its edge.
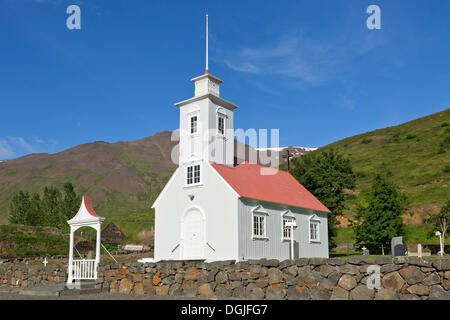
(97, 251)
(70, 266)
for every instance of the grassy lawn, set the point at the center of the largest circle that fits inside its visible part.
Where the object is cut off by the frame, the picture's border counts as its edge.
(414, 235)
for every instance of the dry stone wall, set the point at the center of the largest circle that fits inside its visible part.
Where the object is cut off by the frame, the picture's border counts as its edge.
(302, 279)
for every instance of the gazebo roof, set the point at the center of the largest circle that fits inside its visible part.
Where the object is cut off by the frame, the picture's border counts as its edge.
(86, 215)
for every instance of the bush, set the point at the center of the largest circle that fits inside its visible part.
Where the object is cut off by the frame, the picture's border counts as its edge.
(410, 136)
(366, 141)
(445, 124)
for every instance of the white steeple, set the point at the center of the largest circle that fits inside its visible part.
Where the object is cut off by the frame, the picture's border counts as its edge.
(206, 121)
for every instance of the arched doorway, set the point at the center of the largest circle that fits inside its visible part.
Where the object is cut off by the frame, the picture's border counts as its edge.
(193, 228)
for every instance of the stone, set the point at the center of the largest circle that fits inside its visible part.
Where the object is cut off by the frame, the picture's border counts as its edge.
(409, 297)
(438, 293)
(309, 276)
(432, 279)
(270, 263)
(301, 262)
(361, 292)
(447, 275)
(419, 289)
(175, 290)
(386, 294)
(334, 277)
(340, 294)
(317, 261)
(125, 286)
(347, 282)
(275, 275)
(221, 277)
(191, 274)
(383, 260)
(275, 292)
(262, 282)
(286, 263)
(162, 290)
(298, 293)
(205, 291)
(442, 264)
(189, 288)
(179, 278)
(292, 270)
(387, 268)
(446, 284)
(393, 281)
(236, 276)
(426, 269)
(400, 260)
(253, 292)
(336, 261)
(412, 275)
(236, 284)
(239, 292)
(223, 291)
(419, 262)
(325, 270)
(138, 289)
(348, 269)
(326, 284)
(319, 293)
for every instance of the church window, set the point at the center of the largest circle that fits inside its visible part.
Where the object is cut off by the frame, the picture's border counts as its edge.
(313, 231)
(194, 126)
(221, 125)
(286, 230)
(193, 175)
(259, 225)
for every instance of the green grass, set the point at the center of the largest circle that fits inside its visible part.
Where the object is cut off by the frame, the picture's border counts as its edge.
(133, 223)
(414, 235)
(417, 153)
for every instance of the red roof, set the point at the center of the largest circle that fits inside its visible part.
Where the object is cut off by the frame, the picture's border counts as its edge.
(88, 205)
(246, 179)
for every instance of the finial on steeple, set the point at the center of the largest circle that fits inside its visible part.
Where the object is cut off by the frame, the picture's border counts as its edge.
(206, 70)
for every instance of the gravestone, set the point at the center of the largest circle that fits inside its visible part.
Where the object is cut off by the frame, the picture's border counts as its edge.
(419, 250)
(398, 249)
(365, 251)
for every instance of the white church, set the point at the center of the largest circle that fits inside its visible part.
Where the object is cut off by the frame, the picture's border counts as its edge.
(211, 209)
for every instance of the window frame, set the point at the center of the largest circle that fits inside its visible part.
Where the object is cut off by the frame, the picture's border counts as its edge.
(221, 115)
(191, 170)
(192, 116)
(261, 214)
(313, 220)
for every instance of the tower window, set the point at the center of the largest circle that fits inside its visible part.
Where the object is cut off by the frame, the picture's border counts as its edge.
(194, 124)
(193, 174)
(221, 125)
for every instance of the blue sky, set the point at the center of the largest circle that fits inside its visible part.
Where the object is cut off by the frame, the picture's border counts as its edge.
(310, 68)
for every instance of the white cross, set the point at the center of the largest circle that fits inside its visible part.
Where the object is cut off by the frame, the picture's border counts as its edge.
(45, 262)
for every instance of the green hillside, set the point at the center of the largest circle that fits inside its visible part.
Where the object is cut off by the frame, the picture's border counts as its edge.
(417, 153)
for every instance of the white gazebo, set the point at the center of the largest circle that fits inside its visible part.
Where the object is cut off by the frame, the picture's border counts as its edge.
(84, 269)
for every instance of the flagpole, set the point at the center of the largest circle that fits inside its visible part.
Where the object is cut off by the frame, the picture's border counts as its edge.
(206, 71)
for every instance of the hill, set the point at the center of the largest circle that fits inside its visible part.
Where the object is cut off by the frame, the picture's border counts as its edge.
(416, 152)
(120, 177)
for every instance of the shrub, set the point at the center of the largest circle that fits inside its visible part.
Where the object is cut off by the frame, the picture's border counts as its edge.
(445, 124)
(366, 141)
(410, 136)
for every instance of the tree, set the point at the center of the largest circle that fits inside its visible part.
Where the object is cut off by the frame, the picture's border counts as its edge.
(19, 207)
(379, 214)
(440, 221)
(34, 216)
(51, 207)
(326, 175)
(71, 202)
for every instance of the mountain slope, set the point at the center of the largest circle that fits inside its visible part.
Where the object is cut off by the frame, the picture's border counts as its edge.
(416, 152)
(120, 177)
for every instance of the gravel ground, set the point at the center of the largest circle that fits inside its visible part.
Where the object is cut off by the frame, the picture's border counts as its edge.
(97, 296)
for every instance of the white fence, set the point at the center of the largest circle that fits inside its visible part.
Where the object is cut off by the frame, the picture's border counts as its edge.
(84, 269)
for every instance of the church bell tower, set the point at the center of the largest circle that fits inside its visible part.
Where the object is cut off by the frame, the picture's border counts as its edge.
(206, 122)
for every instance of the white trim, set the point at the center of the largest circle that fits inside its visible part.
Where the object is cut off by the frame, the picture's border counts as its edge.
(165, 188)
(193, 165)
(261, 212)
(313, 219)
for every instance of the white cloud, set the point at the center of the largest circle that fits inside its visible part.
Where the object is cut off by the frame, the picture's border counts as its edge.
(295, 56)
(5, 149)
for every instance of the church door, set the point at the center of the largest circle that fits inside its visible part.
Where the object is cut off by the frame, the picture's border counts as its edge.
(194, 237)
